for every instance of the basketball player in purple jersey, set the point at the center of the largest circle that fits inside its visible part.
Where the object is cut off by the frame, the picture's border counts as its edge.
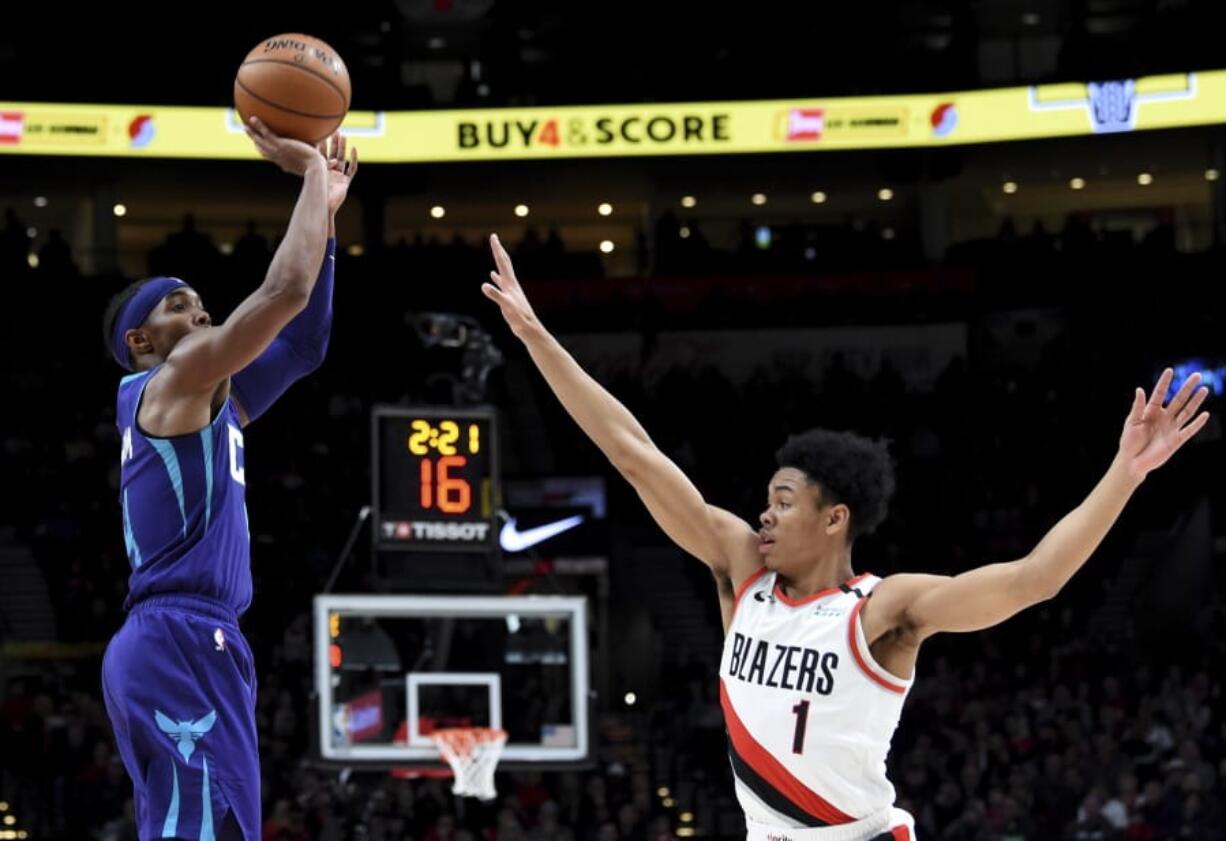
(178, 677)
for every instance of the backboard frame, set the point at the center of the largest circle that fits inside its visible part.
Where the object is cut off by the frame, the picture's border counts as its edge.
(571, 608)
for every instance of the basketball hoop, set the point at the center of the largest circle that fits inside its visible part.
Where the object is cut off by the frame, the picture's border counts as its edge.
(472, 753)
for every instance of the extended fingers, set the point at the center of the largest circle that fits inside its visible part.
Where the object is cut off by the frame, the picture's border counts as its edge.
(502, 260)
(261, 145)
(1138, 406)
(257, 125)
(1188, 409)
(493, 293)
(1184, 394)
(1158, 395)
(1191, 429)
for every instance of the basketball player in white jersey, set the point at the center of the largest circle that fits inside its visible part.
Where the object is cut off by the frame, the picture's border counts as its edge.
(814, 671)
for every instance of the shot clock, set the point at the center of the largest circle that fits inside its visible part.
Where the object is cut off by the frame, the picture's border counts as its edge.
(435, 479)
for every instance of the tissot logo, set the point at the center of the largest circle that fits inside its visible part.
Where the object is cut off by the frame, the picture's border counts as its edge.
(444, 532)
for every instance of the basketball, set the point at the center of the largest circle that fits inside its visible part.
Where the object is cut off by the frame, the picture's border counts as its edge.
(296, 84)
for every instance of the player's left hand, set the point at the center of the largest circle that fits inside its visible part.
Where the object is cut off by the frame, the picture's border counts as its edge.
(1153, 432)
(505, 291)
(341, 169)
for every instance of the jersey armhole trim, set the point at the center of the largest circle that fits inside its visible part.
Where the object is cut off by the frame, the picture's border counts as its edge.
(746, 584)
(140, 399)
(864, 658)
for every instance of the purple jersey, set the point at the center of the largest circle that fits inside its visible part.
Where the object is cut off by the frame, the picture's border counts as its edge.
(184, 506)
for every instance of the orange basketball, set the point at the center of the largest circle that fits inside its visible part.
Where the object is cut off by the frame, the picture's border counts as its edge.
(296, 84)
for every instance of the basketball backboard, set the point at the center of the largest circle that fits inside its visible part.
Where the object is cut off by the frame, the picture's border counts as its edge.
(391, 669)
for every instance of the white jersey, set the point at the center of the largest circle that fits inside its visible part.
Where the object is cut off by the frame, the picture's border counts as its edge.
(809, 713)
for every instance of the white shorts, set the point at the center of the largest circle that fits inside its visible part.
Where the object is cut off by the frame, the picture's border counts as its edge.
(889, 824)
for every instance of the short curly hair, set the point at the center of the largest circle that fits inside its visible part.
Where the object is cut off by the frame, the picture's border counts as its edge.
(849, 469)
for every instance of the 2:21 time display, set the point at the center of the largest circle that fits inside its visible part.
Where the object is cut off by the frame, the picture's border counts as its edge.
(438, 488)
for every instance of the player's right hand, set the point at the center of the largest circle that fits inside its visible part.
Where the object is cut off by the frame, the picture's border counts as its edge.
(506, 292)
(293, 156)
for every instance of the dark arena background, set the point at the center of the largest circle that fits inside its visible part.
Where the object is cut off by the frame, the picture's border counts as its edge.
(970, 228)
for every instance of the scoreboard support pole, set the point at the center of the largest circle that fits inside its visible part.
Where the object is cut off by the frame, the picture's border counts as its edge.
(363, 516)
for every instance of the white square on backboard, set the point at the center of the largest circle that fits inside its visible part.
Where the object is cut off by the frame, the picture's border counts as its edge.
(415, 680)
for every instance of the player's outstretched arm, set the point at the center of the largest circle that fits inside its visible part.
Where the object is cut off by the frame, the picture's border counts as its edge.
(204, 359)
(302, 344)
(921, 605)
(721, 540)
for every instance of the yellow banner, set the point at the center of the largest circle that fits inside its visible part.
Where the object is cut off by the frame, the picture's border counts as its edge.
(1154, 102)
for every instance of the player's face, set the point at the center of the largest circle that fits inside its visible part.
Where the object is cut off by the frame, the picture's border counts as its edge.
(180, 313)
(798, 527)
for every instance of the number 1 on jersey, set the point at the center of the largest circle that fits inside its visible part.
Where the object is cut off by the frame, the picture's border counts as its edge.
(802, 719)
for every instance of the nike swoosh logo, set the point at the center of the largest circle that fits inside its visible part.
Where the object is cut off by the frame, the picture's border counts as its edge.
(514, 540)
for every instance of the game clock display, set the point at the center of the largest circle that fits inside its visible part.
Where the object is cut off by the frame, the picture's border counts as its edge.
(435, 474)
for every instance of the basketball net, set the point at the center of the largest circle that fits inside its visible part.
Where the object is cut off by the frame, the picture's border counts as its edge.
(472, 753)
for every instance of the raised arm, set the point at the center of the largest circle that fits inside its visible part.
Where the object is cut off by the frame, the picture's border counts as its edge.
(204, 359)
(302, 344)
(719, 539)
(918, 606)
